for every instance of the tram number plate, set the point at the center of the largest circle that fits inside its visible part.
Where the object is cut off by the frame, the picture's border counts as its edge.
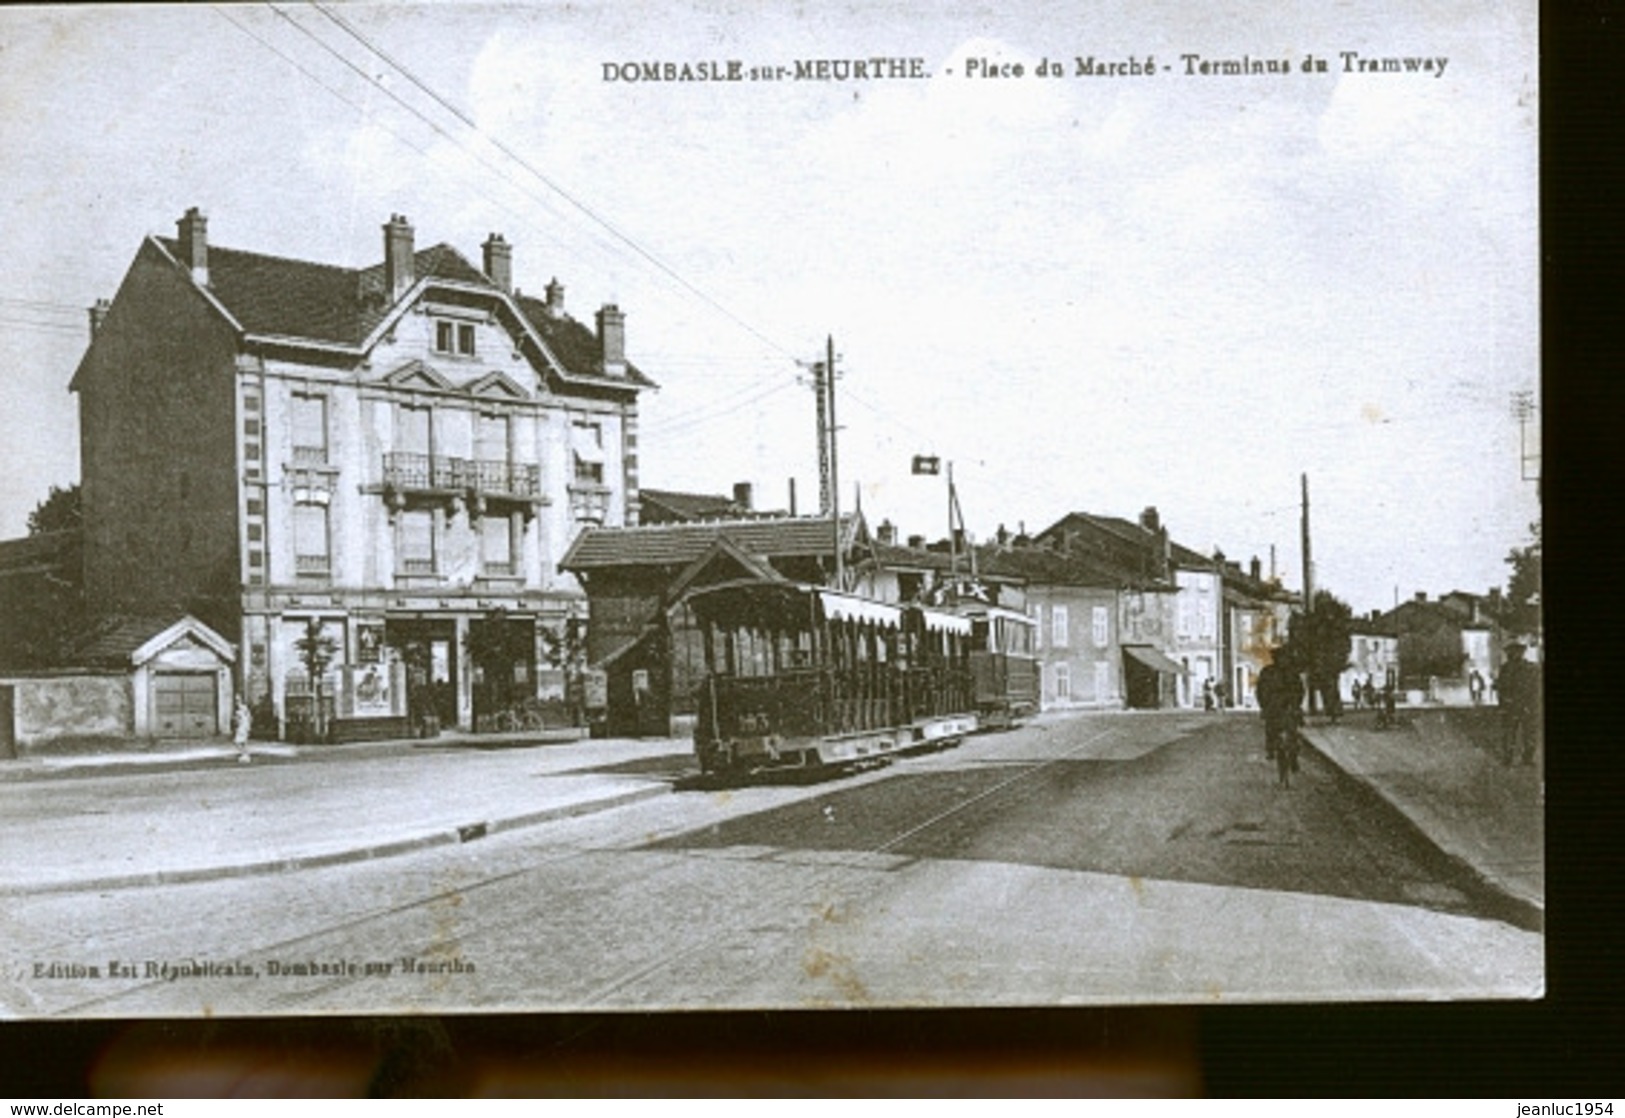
(755, 724)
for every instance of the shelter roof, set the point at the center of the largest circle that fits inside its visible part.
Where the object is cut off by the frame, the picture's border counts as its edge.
(677, 545)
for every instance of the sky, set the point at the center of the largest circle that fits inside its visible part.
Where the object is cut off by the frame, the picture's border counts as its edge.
(1097, 293)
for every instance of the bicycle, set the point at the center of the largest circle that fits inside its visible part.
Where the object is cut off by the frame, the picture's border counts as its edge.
(1286, 754)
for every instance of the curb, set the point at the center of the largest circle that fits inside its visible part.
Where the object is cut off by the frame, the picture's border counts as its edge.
(1521, 911)
(35, 769)
(451, 836)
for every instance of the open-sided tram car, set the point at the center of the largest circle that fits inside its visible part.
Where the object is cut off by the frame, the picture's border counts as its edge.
(801, 675)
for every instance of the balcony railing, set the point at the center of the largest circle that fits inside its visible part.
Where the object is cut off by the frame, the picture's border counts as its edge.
(409, 471)
(311, 564)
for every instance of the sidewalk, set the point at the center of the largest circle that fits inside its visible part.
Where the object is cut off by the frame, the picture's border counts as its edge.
(1434, 770)
(195, 815)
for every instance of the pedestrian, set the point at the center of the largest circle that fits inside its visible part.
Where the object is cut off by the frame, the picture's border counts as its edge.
(1280, 700)
(242, 720)
(1475, 687)
(1515, 687)
(1207, 694)
(1370, 692)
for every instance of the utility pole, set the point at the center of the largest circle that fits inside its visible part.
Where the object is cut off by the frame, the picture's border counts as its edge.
(1308, 562)
(953, 535)
(834, 469)
(821, 378)
(1523, 410)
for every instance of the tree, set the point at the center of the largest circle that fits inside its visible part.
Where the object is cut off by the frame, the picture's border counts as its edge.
(1522, 611)
(1320, 644)
(565, 648)
(60, 510)
(316, 651)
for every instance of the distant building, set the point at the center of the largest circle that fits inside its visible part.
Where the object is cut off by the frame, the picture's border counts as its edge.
(1257, 611)
(1373, 654)
(669, 506)
(1170, 603)
(399, 452)
(1075, 603)
(1441, 643)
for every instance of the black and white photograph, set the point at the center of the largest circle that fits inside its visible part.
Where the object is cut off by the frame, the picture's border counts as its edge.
(679, 505)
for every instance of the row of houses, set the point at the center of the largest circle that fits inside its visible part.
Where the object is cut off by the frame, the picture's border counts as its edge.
(434, 475)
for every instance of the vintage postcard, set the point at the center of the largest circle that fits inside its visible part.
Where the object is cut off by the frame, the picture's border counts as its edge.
(703, 505)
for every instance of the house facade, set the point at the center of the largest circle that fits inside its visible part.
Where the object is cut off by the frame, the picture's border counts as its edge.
(1256, 621)
(1373, 655)
(1170, 603)
(394, 456)
(1075, 605)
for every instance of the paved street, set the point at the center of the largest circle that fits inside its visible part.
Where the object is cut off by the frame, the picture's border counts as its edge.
(1083, 859)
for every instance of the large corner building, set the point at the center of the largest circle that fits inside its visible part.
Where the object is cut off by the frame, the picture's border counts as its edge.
(401, 452)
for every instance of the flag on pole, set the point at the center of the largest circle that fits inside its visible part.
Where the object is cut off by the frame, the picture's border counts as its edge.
(927, 464)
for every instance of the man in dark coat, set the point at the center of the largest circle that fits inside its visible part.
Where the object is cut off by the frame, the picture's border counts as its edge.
(1280, 699)
(1515, 690)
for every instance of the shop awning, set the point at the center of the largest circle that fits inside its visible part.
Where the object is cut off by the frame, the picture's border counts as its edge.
(1153, 659)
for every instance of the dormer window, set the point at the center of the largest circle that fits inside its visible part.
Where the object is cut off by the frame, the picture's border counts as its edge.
(455, 338)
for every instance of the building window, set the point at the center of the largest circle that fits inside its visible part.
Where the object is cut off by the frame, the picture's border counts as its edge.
(311, 545)
(1063, 681)
(1057, 626)
(1099, 626)
(1103, 681)
(412, 430)
(587, 444)
(1038, 628)
(309, 428)
(417, 542)
(491, 438)
(454, 337)
(496, 545)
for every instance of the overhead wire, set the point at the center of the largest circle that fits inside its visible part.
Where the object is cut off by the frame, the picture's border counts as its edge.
(728, 404)
(547, 180)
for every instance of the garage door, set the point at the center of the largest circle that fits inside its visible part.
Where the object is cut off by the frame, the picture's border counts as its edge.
(185, 705)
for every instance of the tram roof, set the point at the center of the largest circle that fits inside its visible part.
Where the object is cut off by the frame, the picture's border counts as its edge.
(674, 545)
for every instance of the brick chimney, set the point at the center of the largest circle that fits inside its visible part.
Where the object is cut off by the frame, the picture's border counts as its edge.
(398, 262)
(916, 543)
(742, 495)
(886, 532)
(1149, 520)
(1421, 595)
(555, 298)
(192, 231)
(1256, 570)
(499, 261)
(612, 339)
(98, 315)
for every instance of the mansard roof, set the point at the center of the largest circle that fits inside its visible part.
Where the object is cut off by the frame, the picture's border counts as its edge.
(303, 300)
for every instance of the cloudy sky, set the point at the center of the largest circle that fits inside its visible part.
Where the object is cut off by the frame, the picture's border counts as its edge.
(1097, 293)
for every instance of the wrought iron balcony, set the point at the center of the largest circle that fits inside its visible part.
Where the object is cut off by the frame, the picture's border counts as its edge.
(508, 479)
(408, 471)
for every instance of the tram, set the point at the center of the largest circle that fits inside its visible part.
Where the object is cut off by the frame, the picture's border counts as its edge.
(799, 675)
(1003, 663)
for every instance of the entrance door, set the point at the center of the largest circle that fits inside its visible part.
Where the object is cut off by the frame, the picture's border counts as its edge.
(185, 705)
(429, 650)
